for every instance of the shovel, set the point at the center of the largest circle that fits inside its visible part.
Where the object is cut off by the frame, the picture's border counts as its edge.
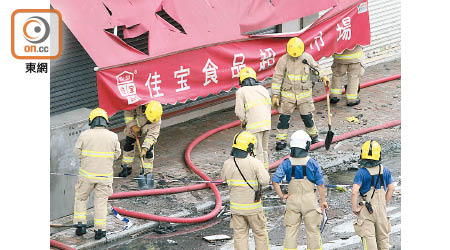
(330, 133)
(144, 182)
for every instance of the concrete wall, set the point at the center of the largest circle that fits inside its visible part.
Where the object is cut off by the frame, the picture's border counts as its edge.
(64, 132)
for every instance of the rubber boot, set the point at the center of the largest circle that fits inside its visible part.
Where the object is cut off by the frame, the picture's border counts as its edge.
(81, 229)
(334, 100)
(126, 171)
(280, 145)
(314, 139)
(354, 103)
(142, 182)
(99, 234)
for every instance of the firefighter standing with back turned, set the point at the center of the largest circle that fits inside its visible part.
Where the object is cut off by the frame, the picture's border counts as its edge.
(372, 223)
(253, 109)
(303, 174)
(245, 175)
(348, 62)
(292, 87)
(97, 149)
(145, 120)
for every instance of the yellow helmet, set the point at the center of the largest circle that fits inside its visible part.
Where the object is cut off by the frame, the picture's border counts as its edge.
(371, 150)
(295, 47)
(244, 141)
(246, 73)
(153, 111)
(98, 112)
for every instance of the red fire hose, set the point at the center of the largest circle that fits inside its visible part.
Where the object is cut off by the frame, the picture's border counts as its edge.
(57, 244)
(192, 166)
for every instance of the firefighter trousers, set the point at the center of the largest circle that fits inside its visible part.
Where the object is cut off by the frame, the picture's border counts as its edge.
(241, 225)
(262, 147)
(374, 228)
(286, 109)
(102, 190)
(353, 72)
(302, 205)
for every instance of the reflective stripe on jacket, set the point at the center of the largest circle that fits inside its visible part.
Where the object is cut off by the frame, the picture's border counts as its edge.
(253, 107)
(242, 197)
(349, 56)
(291, 78)
(97, 149)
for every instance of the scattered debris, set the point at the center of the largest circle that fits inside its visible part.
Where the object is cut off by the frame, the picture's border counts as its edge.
(214, 238)
(165, 228)
(352, 119)
(172, 242)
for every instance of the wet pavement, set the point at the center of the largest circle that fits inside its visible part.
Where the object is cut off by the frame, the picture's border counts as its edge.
(338, 233)
(379, 104)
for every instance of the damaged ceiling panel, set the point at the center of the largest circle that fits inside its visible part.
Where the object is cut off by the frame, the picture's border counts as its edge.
(172, 25)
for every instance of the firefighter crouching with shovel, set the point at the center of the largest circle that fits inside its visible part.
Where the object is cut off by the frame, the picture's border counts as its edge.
(245, 175)
(143, 120)
(97, 149)
(372, 223)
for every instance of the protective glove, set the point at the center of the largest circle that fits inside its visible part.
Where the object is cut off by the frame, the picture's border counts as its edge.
(326, 81)
(135, 130)
(243, 125)
(275, 101)
(143, 152)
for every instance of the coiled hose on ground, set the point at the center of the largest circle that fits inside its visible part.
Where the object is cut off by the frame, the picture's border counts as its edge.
(218, 198)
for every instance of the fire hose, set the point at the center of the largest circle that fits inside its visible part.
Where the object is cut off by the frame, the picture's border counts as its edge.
(211, 185)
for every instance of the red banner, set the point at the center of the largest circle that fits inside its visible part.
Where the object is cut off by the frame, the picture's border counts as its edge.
(209, 70)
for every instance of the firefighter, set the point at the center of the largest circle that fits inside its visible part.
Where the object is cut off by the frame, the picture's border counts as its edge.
(350, 63)
(245, 175)
(292, 87)
(303, 174)
(144, 120)
(253, 109)
(372, 223)
(97, 149)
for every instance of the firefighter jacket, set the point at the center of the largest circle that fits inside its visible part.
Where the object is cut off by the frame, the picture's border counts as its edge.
(242, 197)
(135, 117)
(149, 130)
(349, 56)
(97, 149)
(253, 107)
(291, 80)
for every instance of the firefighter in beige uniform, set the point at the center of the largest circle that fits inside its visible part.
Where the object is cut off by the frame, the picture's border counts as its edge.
(350, 63)
(291, 80)
(303, 174)
(97, 149)
(245, 203)
(253, 109)
(372, 223)
(145, 120)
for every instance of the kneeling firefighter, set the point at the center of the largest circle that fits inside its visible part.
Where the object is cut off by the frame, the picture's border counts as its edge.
(303, 174)
(292, 88)
(253, 109)
(372, 223)
(144, 120)
(245, 175)
(97, 149)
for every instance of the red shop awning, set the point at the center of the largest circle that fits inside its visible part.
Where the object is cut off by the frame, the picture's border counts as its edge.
(202, 22)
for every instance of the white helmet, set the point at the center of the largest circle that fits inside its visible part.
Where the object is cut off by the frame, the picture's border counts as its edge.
(300, 139)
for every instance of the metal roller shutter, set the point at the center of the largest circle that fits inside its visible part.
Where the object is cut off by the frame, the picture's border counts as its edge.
(385, 31)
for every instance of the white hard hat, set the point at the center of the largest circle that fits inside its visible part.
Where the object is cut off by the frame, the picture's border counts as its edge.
(300, 139)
